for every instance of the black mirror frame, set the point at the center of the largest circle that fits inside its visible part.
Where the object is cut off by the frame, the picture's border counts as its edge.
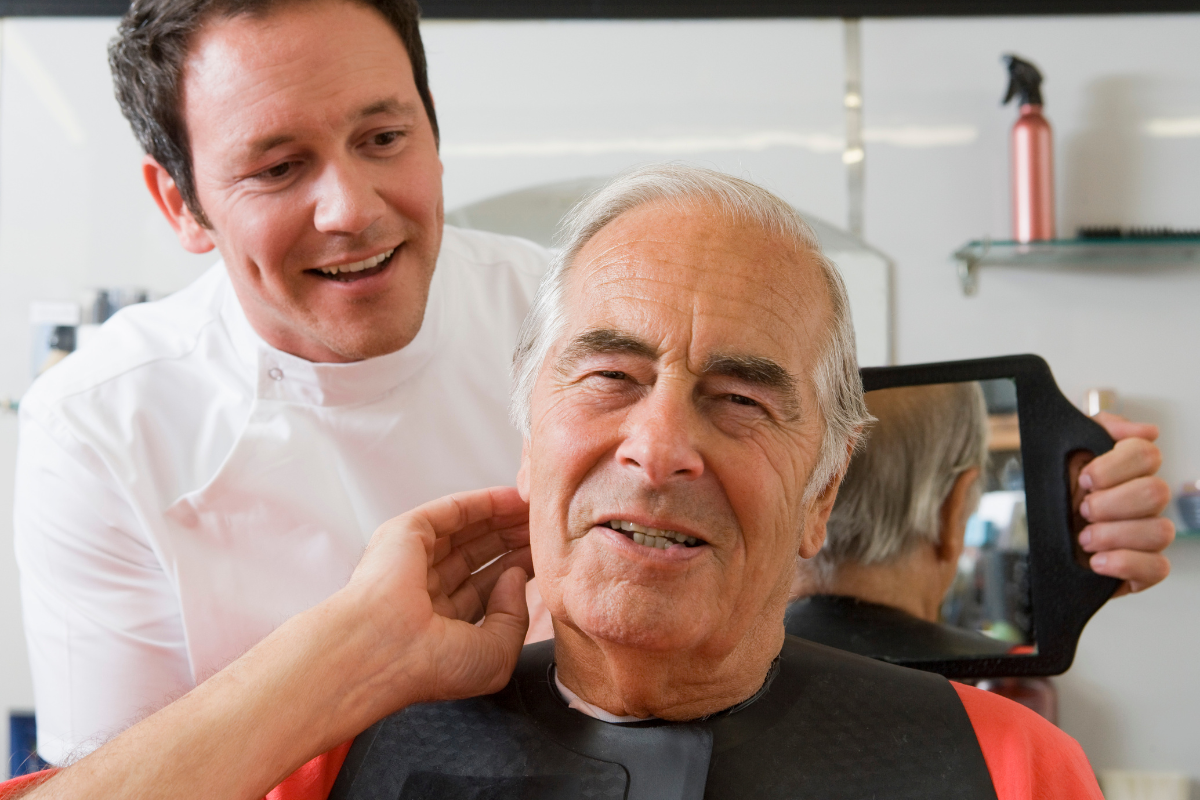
(1065, 594)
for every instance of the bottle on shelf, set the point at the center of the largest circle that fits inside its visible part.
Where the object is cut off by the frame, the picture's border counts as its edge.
(1032, 155)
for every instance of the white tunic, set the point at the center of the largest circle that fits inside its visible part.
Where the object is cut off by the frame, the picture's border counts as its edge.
(183, 488)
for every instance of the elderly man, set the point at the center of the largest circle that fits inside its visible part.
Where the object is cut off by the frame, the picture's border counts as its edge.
(208, 467)
(688, 393)
(689, 397)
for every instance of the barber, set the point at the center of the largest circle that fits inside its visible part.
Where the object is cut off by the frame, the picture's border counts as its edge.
(209, 466)
(215, 463)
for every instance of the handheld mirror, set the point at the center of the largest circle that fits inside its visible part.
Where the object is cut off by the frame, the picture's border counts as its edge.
(952, 546)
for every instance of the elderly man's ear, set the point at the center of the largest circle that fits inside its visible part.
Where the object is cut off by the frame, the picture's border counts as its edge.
(952, 518)
(813, 536)
(191, 234)
(523, 472)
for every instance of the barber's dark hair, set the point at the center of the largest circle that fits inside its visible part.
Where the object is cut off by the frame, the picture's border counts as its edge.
(147, 58)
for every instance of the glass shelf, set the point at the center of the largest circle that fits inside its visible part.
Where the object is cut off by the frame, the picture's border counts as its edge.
(1125, 252)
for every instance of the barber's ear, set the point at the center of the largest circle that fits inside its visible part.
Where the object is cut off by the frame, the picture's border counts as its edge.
(191, 234)
(523, 472)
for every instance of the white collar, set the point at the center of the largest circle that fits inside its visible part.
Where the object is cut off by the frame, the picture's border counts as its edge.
(288, 378)
(584, 707)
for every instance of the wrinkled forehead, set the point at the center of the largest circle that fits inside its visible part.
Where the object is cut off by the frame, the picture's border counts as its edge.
(689, 275)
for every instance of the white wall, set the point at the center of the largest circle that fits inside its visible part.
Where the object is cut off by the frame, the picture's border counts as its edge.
(525, 103)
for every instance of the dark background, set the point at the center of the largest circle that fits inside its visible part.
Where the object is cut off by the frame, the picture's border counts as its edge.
(695, 9)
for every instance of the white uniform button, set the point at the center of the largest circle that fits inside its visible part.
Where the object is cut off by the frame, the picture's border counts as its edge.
(275, 374)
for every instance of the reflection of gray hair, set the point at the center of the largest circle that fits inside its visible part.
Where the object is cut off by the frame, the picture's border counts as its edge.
(836, 379)
(891, 498)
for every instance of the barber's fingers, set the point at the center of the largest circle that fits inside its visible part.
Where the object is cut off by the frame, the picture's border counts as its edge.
(506, 601)
(479, 541)
(507, 612)
(457, 565)
(480, 549)
(465, 515)
(1120, 428)
(461, 519)
(1139, 570)
(1134, 499)
(432, 524)
(467, 599)
(474, 660)
(403, 549)
(396, 556)
(1151, 535)
(1129, 459)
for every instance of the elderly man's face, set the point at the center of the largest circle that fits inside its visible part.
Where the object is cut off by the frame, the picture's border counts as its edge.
(316, 165)
(679, 399)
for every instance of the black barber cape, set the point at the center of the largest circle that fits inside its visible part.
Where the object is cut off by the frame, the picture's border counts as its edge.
(883, 632)
(825, 725)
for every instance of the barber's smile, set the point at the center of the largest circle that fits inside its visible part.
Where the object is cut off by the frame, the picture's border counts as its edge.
(355, 271)
(651, 541)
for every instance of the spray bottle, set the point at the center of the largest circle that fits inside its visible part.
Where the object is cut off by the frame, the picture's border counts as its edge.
(1032, 155)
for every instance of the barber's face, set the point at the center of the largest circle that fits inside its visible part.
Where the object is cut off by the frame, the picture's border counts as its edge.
(313, 151)
(679, 399)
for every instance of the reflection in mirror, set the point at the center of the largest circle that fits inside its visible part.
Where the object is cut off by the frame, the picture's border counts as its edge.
(927, 551)
(990, 593)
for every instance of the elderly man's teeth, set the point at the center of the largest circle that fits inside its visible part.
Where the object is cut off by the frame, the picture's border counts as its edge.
(359, 266)
(652, 537)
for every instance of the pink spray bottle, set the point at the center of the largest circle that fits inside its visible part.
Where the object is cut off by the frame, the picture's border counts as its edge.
(1032, 155)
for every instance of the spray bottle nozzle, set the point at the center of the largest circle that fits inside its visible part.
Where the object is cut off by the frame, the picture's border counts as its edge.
(1024, 82)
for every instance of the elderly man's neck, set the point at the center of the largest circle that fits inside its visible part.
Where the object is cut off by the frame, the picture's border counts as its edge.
(915, 583)
(631, 681)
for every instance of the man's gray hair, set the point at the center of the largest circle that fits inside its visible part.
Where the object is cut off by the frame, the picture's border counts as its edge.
(836, 379)
(890, 501)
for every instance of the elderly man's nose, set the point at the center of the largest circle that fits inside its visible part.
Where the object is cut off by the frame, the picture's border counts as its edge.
(347, 202)
(660, 446)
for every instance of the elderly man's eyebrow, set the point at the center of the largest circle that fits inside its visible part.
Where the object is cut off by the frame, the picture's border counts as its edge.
(757, 371)
(600, 341)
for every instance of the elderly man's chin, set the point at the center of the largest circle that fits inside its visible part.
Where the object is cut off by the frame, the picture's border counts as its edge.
(640, 620)
(609, 599)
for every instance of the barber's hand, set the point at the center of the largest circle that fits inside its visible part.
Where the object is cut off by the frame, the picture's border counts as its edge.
(421, 577)
(1121, 502)
(398, 633)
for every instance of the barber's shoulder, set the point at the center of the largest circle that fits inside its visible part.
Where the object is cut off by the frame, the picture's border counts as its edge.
(495, 251)
(136, 339)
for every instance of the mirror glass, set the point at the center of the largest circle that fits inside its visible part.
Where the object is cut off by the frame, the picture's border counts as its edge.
(990, 593)
(927, 553)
